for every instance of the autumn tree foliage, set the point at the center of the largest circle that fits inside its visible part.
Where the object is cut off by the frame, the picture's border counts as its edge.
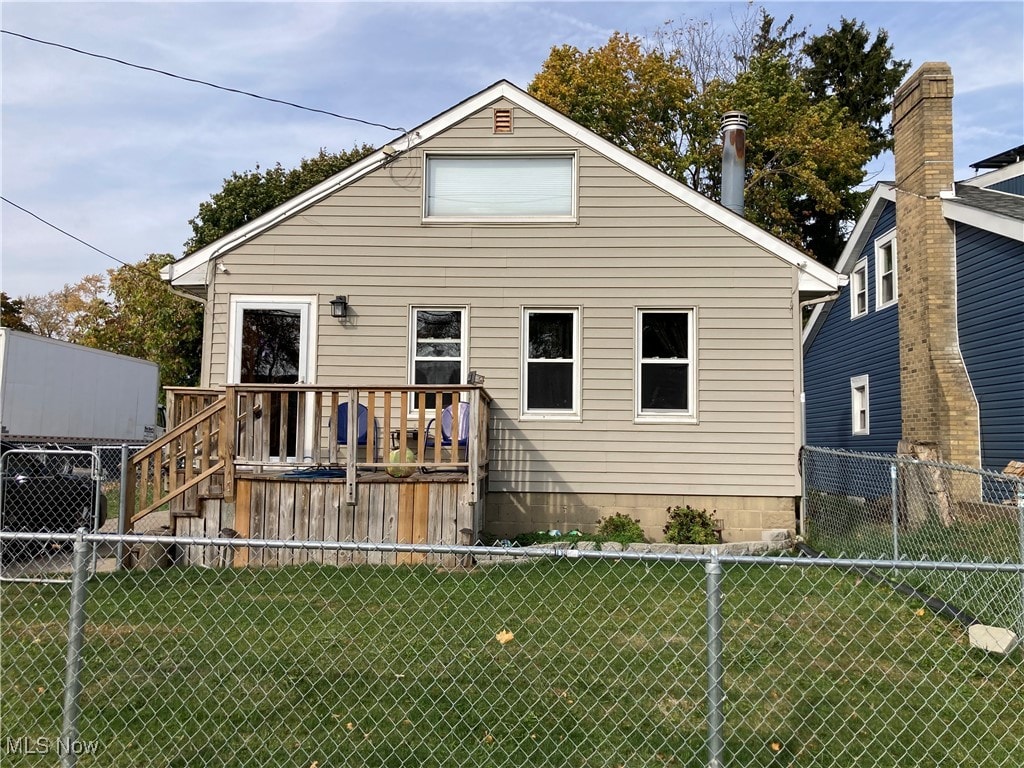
(145, 319)
(662, 98)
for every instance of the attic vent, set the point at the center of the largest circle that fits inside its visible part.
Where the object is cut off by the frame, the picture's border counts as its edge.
(503, 120)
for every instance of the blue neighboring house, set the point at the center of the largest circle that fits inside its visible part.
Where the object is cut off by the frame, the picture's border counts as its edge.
(851, 345)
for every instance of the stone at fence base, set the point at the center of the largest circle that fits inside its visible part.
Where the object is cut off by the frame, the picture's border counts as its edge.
(776, 536)
(585, 546)
(992, 639)
(611, 546)
(662, 547)
(691, 549)
(638, 547)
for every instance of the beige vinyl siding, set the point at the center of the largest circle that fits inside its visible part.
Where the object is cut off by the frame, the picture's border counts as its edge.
(632, 246)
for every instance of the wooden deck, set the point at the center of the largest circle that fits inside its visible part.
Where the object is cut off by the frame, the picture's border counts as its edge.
(230, 464)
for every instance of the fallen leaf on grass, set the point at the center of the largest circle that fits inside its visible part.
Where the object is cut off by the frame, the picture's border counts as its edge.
(504, 636)
(919, 612)
(775, 746)
(488, 739)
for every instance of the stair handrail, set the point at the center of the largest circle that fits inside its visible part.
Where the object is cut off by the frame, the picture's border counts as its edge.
(155, 450)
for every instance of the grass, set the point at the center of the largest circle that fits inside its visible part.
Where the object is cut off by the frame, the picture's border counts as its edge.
(384, 666)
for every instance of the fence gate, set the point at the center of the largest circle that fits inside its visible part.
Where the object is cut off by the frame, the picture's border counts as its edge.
(47, 490)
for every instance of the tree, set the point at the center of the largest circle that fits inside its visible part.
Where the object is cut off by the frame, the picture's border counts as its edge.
(662, 99)
(250, 194)
(67, 313)
(10, 313)
(859, 73)
(147, 320)
(633, 96)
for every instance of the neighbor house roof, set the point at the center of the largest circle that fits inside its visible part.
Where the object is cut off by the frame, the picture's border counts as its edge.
(884, 191)
(988, 209)
(192, 270)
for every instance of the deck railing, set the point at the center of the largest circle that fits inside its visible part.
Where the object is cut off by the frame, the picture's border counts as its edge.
(295, 428)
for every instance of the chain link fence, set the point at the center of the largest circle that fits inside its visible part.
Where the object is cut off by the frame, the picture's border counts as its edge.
(48, 491)
(496, 657)
(899, 507)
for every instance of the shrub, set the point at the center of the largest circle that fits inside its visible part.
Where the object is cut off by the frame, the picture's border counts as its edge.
(621, 528)
(687, 525)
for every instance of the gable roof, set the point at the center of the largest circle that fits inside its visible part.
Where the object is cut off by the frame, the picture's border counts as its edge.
(192, 270)
(884, 191)
(988, 209)
(970, 202)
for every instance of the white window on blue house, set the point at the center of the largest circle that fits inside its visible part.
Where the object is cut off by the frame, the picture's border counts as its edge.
(665, 366)
(860, 405)
(859, 289)
(551, 363)
(886, 287)
(438, 348)
(500, 187)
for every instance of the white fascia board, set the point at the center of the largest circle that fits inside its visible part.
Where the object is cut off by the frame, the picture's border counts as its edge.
(994, 177)
(1006, 226)
(884, 191)
(814, 277)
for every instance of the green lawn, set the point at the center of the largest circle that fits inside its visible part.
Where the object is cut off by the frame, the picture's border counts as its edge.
(384, 666)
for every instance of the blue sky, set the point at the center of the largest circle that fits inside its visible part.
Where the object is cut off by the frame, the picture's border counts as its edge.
(122, 158)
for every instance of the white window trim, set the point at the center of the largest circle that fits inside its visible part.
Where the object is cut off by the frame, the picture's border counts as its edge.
(572, 217)
(688, 416)
(575, 414)
(862, 267)
(463, 340)
(304, 305)
(890, 240)
(857, 384)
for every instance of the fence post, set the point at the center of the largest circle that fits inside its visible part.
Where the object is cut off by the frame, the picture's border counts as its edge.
(1020, 525)
(716, 696)
(895, 513)
(803, 492)
(73, 667)
(122, 507)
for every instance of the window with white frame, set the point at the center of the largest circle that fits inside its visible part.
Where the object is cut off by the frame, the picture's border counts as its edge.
(665, 365)
(551, 363)
(859, 289)
(860, 405)
(500, 187)
(438, 346)
(886, 288)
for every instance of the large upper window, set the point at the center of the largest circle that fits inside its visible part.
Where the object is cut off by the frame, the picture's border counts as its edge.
(665, 365)
(886, 291)
(859, 290)
(551, 369)
(438, 347)
(500, 187)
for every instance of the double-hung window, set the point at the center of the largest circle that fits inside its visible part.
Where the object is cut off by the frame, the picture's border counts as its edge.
(438, 348)
(500, 187)
(665, 365)
(859, 290)
(551, 363)
(886, 289)
(860, 405)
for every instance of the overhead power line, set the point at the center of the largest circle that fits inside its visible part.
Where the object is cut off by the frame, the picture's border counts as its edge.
(80, 240)
(202, 82)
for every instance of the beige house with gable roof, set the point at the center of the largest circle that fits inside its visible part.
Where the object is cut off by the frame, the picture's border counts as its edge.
(640, 345)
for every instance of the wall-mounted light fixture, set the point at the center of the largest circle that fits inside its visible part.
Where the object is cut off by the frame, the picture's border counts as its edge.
(339, 307)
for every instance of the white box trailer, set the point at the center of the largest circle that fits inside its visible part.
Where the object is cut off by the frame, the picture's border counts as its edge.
(57, 392)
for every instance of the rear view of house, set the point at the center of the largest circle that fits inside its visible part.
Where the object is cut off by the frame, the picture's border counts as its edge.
(926, 343)
(638, 344)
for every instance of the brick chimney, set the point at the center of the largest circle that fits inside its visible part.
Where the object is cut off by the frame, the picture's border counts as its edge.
(939, 407)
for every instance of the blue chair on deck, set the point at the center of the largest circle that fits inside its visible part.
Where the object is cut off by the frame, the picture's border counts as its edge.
(447, 439)
(362, 428)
